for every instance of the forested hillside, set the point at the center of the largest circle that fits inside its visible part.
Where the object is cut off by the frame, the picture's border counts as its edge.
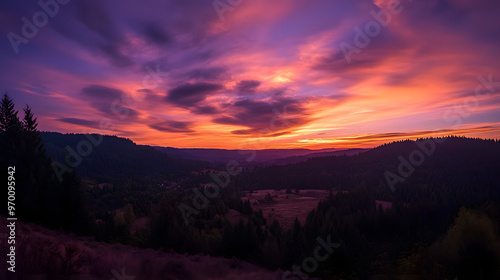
(454, 161)
(111, 157)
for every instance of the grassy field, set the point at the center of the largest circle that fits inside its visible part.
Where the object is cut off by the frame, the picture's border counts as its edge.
(284, 207)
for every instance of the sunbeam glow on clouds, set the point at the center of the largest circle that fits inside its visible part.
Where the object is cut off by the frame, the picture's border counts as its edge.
(174, 73)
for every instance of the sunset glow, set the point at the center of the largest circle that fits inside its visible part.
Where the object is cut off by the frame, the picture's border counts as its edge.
(260, 74)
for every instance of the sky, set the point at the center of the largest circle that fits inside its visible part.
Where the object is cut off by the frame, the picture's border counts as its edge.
(241, 74)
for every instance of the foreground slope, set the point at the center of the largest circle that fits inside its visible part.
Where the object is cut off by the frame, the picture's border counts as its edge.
(48, 254)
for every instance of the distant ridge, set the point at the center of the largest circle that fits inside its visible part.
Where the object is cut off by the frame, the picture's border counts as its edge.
(222, 155)
(297, 159)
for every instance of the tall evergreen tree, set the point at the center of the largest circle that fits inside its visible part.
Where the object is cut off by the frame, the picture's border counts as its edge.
(8, 115)
(40, 197)
(29, 123)
(10, 136)
(10, 131)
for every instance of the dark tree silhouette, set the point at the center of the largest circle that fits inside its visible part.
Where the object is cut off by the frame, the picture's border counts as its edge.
(40, 197)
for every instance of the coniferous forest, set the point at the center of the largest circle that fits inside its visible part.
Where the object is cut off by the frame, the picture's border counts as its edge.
(442, 221)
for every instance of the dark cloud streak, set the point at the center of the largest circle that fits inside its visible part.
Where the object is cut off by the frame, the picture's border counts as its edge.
(92, 124)
(172, 126)
(189, 95)
(247, 86)
(267, 118)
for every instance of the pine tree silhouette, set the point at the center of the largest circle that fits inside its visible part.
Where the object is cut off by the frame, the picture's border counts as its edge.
(40, 197)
